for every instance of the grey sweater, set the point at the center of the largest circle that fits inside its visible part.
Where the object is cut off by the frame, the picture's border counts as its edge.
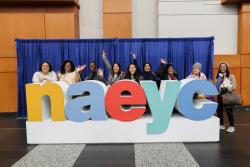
(112, 78)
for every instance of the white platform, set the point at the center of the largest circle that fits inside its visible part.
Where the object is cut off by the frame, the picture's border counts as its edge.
(180, 129)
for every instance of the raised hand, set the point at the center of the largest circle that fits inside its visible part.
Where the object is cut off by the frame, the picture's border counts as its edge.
(80, 68)
(100, 72)
(104, 54)
(133, 55)
(163, 61)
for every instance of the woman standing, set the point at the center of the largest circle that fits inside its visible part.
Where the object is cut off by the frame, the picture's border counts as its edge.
(45, 74)
(69, 73)
(222, 75)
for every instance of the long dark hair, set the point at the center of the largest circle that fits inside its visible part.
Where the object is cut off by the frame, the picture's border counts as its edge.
(171, 65)
(63, 66)
(227, 71)
(50, 66)
(146, 64)
(128, 74)
(119, 72)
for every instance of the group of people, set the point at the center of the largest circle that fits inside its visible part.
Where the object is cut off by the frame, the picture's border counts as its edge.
(71, 74)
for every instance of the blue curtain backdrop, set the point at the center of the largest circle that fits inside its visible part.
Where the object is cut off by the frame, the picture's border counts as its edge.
(182, 52)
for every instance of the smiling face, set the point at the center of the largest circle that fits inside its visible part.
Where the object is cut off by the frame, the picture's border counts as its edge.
(223, 68)
(92, 66)
(147, 68)
(132, 69)
(170, 70)
(67, 67)
(116, 68)
(196, 71)
(45, 68)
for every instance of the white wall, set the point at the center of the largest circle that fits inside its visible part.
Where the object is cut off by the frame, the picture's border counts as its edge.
(91, 18)
(144, 18)
(197, 18)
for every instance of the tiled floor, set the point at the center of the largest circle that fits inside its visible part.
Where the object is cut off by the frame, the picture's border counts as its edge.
(232, 150)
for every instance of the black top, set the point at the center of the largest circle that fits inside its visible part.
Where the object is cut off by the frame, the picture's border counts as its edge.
(137, 77)
(163, 74)
(94, 76)
(146, 75)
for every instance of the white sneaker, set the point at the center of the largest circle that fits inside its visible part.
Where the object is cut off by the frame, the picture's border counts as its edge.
(222, 127)
(230, 129)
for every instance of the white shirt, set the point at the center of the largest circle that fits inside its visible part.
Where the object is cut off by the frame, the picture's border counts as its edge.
(201, 77)
(39, 77)
(69, 77)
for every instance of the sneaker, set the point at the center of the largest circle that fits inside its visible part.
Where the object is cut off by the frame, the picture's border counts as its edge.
(230, 129)
(222, 127)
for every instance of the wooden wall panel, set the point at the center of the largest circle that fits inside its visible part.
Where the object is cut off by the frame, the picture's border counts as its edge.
(245, 60)
(245, 82)
(29, 22)
(232, 60)
(77, 24)
(245, 7)
(117, 25)
(116, 6)
(244, 29)
(60, 25)
(8, 64)
(244, 50)
(26, 25)
(117, 19)
(8, 89)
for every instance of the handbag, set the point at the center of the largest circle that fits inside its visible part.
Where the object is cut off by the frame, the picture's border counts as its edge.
(231, 99)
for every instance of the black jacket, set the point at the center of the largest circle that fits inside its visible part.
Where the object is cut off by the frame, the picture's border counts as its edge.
(163, 74)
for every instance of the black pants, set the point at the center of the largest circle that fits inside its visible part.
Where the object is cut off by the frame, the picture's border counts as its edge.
(228, 109)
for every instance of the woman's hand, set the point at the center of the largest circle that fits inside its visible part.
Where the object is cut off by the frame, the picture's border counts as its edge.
(104, 54)
(59, 75)
(41, 79)
(133, 56)
(224, 90)
(100, 72)
(79, 69)
(163, 61)
(45, 81)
